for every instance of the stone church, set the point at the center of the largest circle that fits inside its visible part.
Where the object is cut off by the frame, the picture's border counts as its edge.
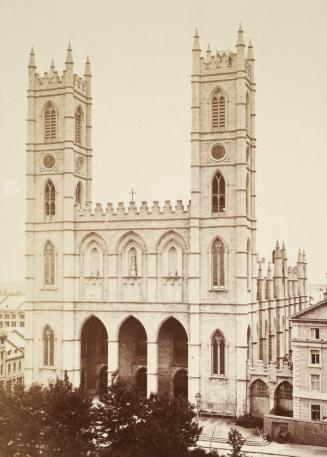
(174, 298)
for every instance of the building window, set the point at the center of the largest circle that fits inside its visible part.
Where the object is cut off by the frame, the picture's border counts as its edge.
(49, 264)
(218, 353)
(218, 111)
(78, 194)
(315, 357)
(315, 383)
(49, 199)
(94, 263)
(50, 119)
(48, 347)
(172, 262)
(315, 412)
(218, 263)
(315, 333)
(132, 262)
(78, 125)
(218, 193)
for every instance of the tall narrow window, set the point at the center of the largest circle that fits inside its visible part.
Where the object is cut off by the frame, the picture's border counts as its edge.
(172, 262)
(49, 199)
(218, 111)
(132, 262)
(218, 353)
(49, 264)
(78, 125)
(247, 114)
(94, 263)
(48, 347)
(78, 194)
(50, 123)
(249, 344)
(218, 193)
(248, 264)
(218, 263)
(248, 196)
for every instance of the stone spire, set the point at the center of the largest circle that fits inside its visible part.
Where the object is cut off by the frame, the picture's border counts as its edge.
(250, 51)
(196, 43)
(240, 38)
(31, 63)
(87, 71)
(69, 58)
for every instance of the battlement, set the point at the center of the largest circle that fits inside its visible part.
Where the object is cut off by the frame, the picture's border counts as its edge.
(145, 211)
(53, 80)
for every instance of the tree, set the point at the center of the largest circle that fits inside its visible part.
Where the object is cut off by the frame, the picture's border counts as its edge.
(131, 425)
(236, 440)
(21, 421)
(68, 421)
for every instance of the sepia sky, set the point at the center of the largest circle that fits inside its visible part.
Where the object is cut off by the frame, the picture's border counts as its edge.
(140, 53)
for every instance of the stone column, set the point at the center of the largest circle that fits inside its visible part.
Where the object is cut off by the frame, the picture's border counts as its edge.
(152, 372)
(112, 358)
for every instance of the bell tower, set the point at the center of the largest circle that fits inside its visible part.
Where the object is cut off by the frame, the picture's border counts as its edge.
(59, 174)
(222, 221)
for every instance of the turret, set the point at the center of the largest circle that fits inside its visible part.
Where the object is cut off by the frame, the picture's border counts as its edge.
(69, 64)
(88, 75)
(208, 54)
(31, 66)
(240, 46)
(196, 53)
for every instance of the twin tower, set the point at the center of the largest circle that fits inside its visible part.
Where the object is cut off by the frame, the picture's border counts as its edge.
(182, 281)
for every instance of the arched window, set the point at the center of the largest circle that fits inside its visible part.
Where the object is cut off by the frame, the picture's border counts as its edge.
(78, 194)
(218, 111)
(94, 262)
(49, 264)
(218, 353)
(218, 193)
(248, 196)
(218, 263)
(132, 262)
(248, 264)
(78, 125)
(48, 347)
(49, 199)
(50, 123)
(172, 262)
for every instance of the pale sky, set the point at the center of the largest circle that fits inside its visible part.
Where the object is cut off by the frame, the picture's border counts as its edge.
(140, 53)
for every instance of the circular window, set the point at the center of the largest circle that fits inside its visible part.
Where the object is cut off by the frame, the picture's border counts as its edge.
(49, 161)
(218, 152)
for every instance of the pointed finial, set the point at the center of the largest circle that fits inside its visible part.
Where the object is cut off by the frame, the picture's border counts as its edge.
(250, 51)
(208, 53)
(299, 256)
(277, 245)
(31, 63)
(284, 252)
(69, 58)
(52, 66)
(240, 39)
(196, 43)
(304, 257)
(87, 71)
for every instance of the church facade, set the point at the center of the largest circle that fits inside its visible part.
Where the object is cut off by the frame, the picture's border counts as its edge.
(174, 299)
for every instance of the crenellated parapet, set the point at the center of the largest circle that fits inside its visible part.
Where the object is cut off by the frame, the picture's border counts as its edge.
(144, 211)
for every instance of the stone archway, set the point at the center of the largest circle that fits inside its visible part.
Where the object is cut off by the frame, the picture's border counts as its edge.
(284, 399)
(259, 398)
(94, 356)
(132, 351)
(172, 358)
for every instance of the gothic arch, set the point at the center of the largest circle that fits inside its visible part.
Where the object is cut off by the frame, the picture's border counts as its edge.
(79, 194)
(218, 353)
(167, 237)
(49, 263)
(129, 236)
(159, 327)
(50, 121)
(85, 319)
(218, 103)
(218, 263)
(218, 192)
(49, 198)
(93, 237)
(48, 346)
(123, 320)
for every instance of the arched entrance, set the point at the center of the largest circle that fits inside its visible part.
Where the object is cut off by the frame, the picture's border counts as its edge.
(132, 351)
(141, 380)
(94, 356)
(181, 384)
(284, 399)
(259, 398)
(172, 358)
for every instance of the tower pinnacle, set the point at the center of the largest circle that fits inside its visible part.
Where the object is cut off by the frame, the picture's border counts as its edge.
(250, 51)
(87, 71)
(240, 38)
(31, 63)
(69, 58)
(196, 43)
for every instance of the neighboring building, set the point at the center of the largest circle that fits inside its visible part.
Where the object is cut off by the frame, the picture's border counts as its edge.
(171, 297)
(309, 346)
(11, 357)
(12, 310)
